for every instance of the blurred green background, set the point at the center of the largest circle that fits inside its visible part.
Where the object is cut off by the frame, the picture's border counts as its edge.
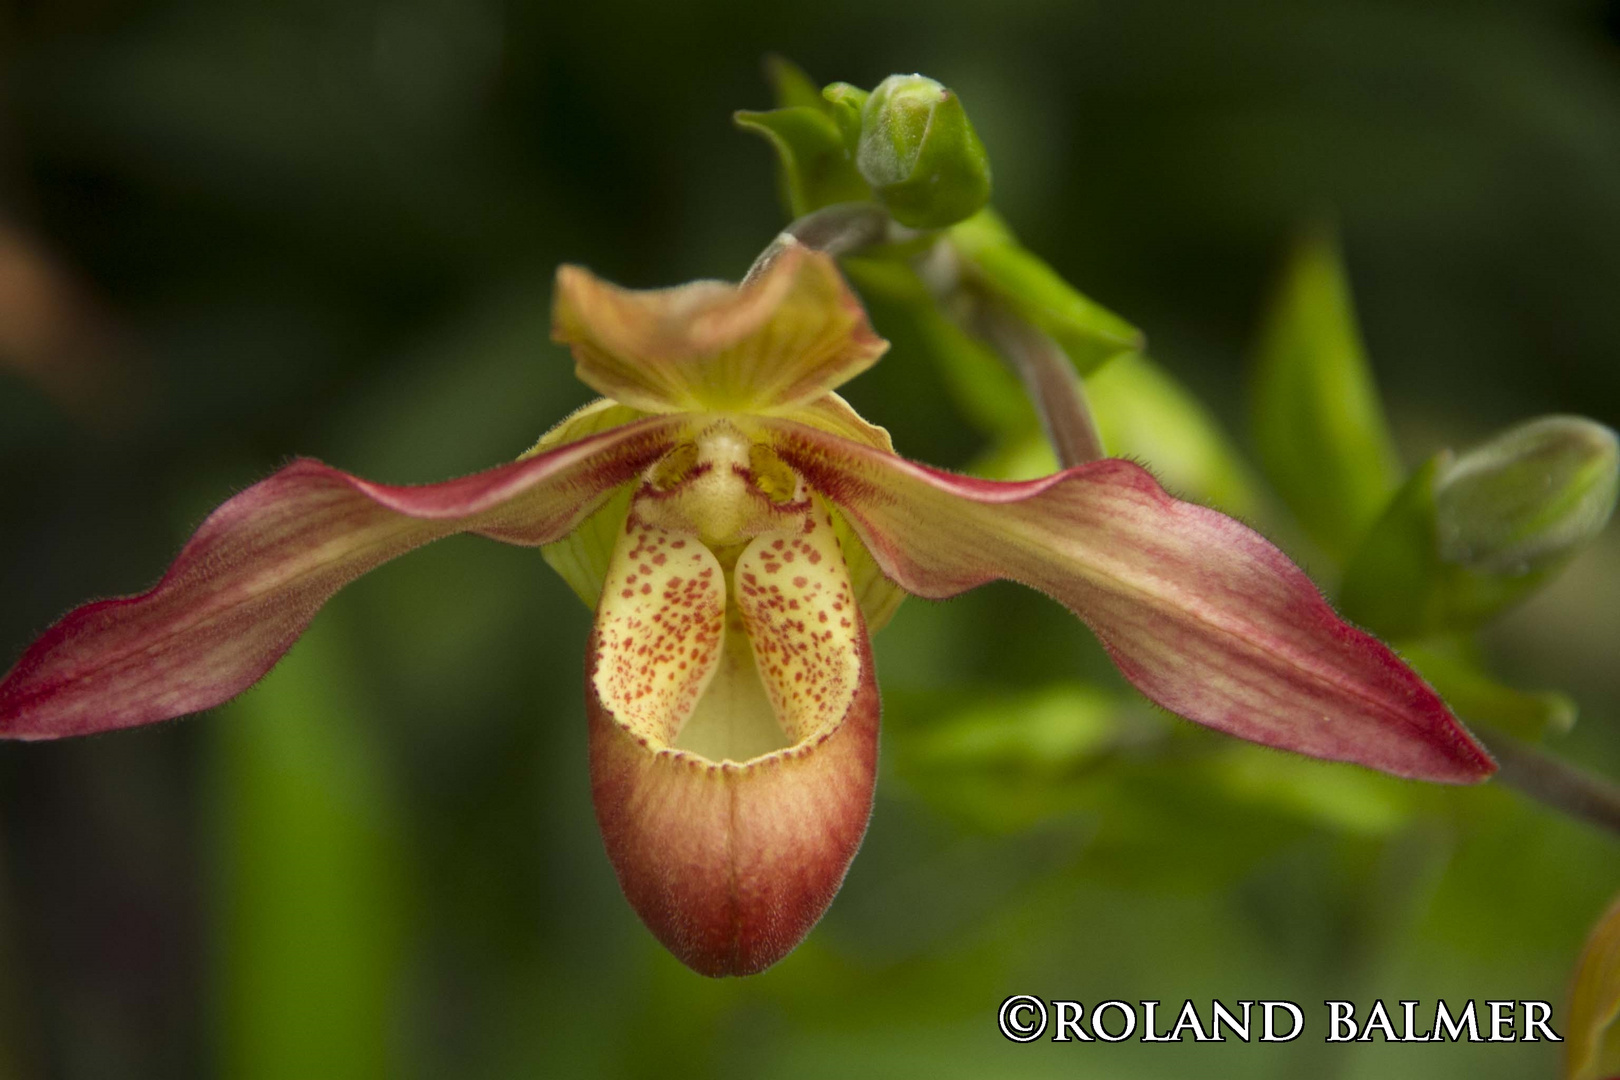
(235, 231)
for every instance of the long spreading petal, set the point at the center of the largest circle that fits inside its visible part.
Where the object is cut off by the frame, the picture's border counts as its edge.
(1203, 614)
(778, 341)
(247, 583)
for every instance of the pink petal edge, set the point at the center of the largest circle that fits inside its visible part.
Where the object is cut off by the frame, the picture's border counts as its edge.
(254, 574)
(1203, 614)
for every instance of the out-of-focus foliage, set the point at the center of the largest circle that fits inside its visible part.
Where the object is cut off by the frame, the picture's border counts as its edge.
(312, 898)
(1594, 1046)
(329, 229)
(1463, 539)
(1319, 427)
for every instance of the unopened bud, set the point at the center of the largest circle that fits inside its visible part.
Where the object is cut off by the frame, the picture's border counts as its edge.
(921, 155)
(1528, 497)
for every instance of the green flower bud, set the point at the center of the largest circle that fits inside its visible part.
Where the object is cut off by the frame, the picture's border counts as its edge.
(1528, 497)
(920, 153)
(1468, 536)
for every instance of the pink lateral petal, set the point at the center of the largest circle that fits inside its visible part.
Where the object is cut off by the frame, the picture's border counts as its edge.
(250, 579)
(1202, 613)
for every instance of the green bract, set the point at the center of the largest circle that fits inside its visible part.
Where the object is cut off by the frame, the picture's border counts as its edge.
(920, 153)
(813, 139)
(817, 166)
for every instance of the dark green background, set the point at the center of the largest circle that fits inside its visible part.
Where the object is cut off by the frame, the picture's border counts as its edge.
(328, 228)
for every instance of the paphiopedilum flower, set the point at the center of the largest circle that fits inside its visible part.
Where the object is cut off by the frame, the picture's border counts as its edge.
(741, 532)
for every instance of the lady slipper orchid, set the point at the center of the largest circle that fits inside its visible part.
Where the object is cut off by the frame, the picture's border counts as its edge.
(741, 532)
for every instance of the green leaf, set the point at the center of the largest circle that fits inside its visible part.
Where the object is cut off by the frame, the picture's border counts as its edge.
(816, 167)
(1392, 585)
(981, 386)
(1318, 426)
(1145, 414)
(1475, 696)
(993, 259)
(920, 153)
(1398, 586)
(1005, 761)
(1348, 799)
(312, 892)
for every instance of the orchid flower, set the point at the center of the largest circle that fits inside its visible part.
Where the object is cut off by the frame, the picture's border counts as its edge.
(741, 532)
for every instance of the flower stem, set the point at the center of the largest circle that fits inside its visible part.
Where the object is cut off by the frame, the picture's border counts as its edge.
(1053, 386)
(1050, 380)
(1553, 782)
(840, 229)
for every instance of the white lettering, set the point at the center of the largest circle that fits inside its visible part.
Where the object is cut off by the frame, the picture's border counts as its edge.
(1536, 1015)
(1409, 1023)
(1378, 1018)
(1293, 1010)
(1102, 1032)
(1444, 1024)
(1341, 1015)
(1189, 1018)
(1066, 1017)
(1148, 1008)
(1221, 1016)
(1499, 1020)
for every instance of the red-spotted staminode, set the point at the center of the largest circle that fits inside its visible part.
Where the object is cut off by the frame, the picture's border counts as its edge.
(741, 531)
